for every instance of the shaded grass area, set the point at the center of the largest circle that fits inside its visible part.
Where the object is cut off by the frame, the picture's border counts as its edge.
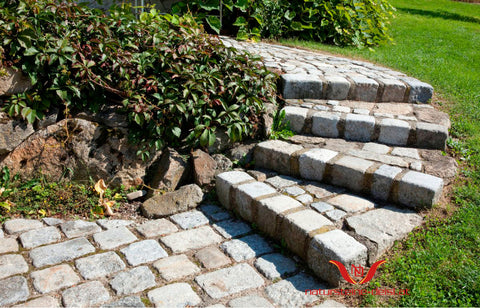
(437, 41)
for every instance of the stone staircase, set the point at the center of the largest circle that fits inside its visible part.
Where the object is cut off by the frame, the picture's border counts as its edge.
(350, 183)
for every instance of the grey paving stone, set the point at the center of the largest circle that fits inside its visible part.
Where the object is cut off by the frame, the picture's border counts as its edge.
(322, 190)
(351, 204)
(376, 148)
(8, 245)
(384, 159)
(330, 303)
(383, 227)
(226, 180)
(305, 199)
(113, 223)
(343, 109)
(136, 195)
(325, 124)
(189, 220)
(290, 292)
(416, 165)
(365, 88)
(359, 127)
(250, 301)
(246, 194)
(232, 228)
(406, 152)
(57, 253)
(275, 265)
(361, 111)
(269, 210)
(350, 172)
(212, 257)
(51, 221)
(417, 189)
(431, 136)
(38, 237)
(114, 238)
(322, 207)
(393, 90)
(383, 179)
(13, 290)
(143, 252)
(77, 228)
(246, 247)
(215, 213)
(155, 228)
(174, 295)
(85, 295)
(301, 86)
(334, 245)
(44, 301)
(337, 88)
(133, 281)
(333, 102)
(275, 155)
(175, 267)
(294, 191)
(394, 132)
(129, 301)
(54, 278)
(419, 91)
(12, 265)
(296, 116)
(230, 280)
(16, 226)
(282, 181)
(335, 215)
(99, 265)
(312, 163)
(191, 239)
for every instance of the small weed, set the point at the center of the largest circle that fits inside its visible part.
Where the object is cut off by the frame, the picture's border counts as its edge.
(281, 127)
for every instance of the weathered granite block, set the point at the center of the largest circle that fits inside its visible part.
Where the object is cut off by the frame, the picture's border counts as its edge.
(431, 136)
(301, 86)
(394, 132)
(417, 189)
(269, 210)
(225, 180)
(337, 87)
(246, 194)
(359, 127)
(350, 172)
(313, 162)
(383, 180)
(324, 124)
(275, 155)
(296, 116)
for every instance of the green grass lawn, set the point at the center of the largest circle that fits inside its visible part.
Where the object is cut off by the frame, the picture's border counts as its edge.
(437, 41)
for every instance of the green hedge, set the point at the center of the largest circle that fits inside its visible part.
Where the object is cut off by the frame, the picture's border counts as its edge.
(177, 84)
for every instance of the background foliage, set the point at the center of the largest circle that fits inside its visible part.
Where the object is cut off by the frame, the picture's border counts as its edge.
(178, 84)
(349, 22)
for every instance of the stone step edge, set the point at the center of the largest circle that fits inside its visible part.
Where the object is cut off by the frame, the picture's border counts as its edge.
(305, 232)
(366, 128)
(382, 181)
(362, 88)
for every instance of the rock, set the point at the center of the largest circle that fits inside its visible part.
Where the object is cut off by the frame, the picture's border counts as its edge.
(222, 141)
(243, 153)
(267, 119)
(439, 165)
(204, 167)
(223, 163)
(13, 82)
(170, 171)
(136, 195)
(183, 199)
(14, 132)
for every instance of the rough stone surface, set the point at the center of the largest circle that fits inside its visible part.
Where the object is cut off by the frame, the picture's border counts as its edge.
(13, 290)
(296, 116)
(268, 218)
(114, 238)
(365, 88)
(337, 88)
(189, 220)
(77, 228)
(215, 213)
(185, 198)
(85, 295)
(130, 301)
(301, 86)
(143, 252)
(431, 136)
(246, 247)
(155, 228)
(330, 304)
(16, 226)
(175, 267)
(281, 181)
(133, 281)
(394, 132)
(13, 133)
(174, 295)
(359, 127)
(99, 265)
(406, 152)
(376, 148)
(383, 227)
(230, 280)
(57, 253)
(312, 163)
(191, 239)
(417, 189)
(225, 181)
(350, 172)
(246, 194)
(394, 90)
(212, 257)
(232, 228)
(250, 301)
(136, 195)
(44, 301)
(325, 124)
(113, 223)
(291, 291)
(351, 204)
(275, 265)
(275, 155)
(54, 278)
(170, 171)
(53, 221)
(321, 207)
(305, 199)
(13, 82)
(8, 245)
(204, 167)
(11, 265)
(334, 245)
(383, 179)
(419, 91)
(294, 191)
(335, 215)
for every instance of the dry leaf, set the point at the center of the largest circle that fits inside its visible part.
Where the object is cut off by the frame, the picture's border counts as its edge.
(108, 210)
(2, 189)
(100, 187)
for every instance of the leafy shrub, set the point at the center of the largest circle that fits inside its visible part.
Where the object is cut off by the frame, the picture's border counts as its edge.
(348, 22)
(177, 84)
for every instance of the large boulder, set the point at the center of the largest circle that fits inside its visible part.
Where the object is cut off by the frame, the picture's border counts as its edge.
(13, 82)
(185, 198)
(12, 133)
(204, 167)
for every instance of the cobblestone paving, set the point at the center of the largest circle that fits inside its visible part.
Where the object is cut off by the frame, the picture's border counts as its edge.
(200, 258)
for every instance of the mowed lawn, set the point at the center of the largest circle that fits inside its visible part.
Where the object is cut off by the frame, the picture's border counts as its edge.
(437, 41)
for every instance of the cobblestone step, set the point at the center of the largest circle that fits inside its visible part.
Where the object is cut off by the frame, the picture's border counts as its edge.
(411, 125)
(327, 225)
(314, 75)
(371, 177)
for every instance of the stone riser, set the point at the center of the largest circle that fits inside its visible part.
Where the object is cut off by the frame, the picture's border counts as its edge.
(366, 128)
(382, 181)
